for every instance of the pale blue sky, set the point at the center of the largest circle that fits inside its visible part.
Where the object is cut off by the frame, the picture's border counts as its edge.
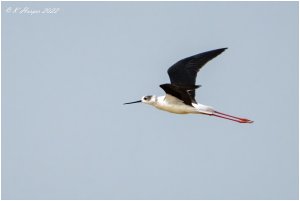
(66, 134)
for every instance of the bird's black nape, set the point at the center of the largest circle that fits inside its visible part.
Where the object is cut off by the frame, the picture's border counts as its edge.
(139, 101)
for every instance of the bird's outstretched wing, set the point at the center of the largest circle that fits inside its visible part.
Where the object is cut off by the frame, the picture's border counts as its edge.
(184, 72)
(181, 92)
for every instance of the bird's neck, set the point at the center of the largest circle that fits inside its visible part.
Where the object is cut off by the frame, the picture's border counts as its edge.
(159, 100)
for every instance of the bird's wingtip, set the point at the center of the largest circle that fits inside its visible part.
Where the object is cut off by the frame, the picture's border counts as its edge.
(221, 49)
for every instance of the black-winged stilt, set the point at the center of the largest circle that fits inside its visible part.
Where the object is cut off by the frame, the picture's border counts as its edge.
(180, 94)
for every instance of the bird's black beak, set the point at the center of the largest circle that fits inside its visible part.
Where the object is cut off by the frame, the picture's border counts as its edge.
(133, 102)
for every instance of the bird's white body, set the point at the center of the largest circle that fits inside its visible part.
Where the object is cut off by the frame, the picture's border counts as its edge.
(174, 105)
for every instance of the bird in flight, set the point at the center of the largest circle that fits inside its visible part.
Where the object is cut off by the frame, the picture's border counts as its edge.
(180, 94)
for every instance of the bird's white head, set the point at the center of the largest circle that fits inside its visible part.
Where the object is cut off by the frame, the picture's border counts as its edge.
(150, 100)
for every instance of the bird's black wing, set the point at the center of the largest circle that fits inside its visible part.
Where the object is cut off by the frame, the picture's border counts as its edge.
(181, 92)
(184, 72)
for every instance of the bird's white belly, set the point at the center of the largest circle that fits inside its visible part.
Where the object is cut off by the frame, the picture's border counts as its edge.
(172, 104)
(178, 108)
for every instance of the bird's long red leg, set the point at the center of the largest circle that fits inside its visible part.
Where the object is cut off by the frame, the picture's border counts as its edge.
(236, 120)
(230, 117)
(242, 119)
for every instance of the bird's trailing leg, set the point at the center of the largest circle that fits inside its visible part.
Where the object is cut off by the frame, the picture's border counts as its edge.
(230, 117)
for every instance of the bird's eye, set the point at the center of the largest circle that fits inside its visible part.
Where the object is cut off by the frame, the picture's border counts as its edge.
(145, 98)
